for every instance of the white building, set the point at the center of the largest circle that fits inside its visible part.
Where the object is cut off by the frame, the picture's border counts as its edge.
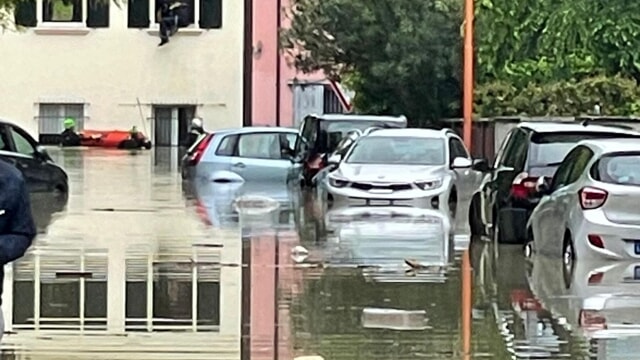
(94, 60)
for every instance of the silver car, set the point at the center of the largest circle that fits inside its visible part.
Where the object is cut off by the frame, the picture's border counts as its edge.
(590, 209)
(402, 167)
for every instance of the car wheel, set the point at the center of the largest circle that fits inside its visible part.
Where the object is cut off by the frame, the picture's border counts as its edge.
(475, 223)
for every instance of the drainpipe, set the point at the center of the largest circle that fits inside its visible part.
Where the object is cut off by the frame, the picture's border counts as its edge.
(278, 59)
(247, 81)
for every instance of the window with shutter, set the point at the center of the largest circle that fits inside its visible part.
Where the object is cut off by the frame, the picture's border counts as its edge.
(210, 14)
(25, 13)
(138, 14)
(98, 13)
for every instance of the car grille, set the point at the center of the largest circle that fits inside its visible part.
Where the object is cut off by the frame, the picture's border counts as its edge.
(368, 186)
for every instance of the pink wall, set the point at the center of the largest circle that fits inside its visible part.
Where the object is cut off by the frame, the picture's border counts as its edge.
(265, 64)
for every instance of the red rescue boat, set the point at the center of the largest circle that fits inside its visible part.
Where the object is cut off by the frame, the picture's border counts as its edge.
(118, 139)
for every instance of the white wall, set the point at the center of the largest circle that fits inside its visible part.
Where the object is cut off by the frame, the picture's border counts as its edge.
(108, 68)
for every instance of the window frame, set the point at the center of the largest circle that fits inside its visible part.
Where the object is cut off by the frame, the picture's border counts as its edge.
(238, 137)
(455, 140)
(567, 163)
(50, 23)
(18, 131)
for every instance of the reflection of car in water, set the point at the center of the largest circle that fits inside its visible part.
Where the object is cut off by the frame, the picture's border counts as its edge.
(321, 134)
(590, 208)
(600, 300)
(244, 154)
(44, 207)
(382, 239)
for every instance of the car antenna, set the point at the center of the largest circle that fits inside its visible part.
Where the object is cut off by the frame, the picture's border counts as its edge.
(585, 123)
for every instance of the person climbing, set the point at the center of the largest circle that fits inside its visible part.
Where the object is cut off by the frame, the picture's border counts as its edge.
(69, 136)
(197, 129)
(168, 15)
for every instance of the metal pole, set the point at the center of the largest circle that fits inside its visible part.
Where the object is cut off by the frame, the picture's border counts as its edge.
(466, 305)
(468, 73)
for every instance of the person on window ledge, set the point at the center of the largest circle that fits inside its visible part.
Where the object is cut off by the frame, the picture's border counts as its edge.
(197, 130)
(17, 227)
(69, 136)
(168, 17)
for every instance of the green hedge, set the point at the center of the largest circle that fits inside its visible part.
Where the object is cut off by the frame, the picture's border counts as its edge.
(616, 96)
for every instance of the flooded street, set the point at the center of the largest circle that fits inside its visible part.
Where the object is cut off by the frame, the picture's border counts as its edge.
(137, 266)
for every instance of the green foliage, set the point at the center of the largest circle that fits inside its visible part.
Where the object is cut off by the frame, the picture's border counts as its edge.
(399, 56)
(615, 95)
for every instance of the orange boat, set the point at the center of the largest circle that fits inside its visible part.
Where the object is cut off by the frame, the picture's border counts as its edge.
(119, 139)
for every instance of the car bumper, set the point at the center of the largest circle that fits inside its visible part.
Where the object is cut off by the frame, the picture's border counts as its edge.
(435, 199)
(619, 239)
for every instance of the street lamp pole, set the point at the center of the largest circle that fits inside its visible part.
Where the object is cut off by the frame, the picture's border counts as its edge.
(467, 107)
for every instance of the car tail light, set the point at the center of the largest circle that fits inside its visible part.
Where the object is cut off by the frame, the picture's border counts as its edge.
(523, 186)
(592, 198)
(592, 320)
(595, 278)
(200, 149)
(595, 240)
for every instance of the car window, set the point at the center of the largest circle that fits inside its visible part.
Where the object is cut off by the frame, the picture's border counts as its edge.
(308, 135)
(505, 144)
(227, 146)
(580, 164)
(516, 154)
(561, 177)
(456, 149)
(260, 146)
(621, 169)
(4, 140)
(399, 150)
(22, 144)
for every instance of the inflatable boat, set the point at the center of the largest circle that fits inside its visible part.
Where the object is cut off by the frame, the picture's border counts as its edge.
(115, 139)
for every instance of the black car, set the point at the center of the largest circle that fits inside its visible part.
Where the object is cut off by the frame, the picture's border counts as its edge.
(20, 149)
(531, 150)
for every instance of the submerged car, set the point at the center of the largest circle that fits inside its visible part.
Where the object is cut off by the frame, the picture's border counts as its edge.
(243, 154)
(589, 208)
(402, 167)
(40, 172)
(321, 134)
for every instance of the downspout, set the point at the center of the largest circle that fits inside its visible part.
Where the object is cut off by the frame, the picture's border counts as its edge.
(278, 59)
(247, 81)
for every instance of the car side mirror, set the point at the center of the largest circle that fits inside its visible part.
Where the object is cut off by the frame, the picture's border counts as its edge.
(481, 165)
(334, 159)
(461, 163)
(543, 185)
(41, 153)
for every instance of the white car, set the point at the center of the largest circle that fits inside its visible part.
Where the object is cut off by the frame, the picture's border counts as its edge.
(590, 209)
(422, 168)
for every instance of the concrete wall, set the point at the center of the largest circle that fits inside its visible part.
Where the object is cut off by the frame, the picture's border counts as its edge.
(107, 69)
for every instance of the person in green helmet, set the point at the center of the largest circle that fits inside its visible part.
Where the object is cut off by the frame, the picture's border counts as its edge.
(69, 136)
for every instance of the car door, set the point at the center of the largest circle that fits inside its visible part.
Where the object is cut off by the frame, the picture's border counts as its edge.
(465, 178)
(259, 156)
(22, 153)
(542, 218)
(487, 182)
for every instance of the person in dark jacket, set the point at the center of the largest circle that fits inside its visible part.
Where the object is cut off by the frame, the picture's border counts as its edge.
(197, 129)
(69, 137)
(168, 16)
(17, 228)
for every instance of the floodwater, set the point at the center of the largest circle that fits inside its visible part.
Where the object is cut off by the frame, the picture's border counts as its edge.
(138, 265)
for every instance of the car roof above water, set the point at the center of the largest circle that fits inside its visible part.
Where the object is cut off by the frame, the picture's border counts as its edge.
(360, 117)
(255, 129)
(613, 145)
(424, 133)
(545, 127)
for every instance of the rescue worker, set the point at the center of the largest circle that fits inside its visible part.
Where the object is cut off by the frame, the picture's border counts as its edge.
(137, 136)
(197, 129)
(168, 18)
(69, 137)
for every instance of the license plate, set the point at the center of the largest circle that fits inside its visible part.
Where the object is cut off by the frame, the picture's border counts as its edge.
(379, 202)
(637, 247)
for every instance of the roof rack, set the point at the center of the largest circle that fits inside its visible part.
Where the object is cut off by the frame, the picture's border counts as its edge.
(588, 122)
(447, 131)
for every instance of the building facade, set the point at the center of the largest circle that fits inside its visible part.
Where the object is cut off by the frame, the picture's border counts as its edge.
(99, 63)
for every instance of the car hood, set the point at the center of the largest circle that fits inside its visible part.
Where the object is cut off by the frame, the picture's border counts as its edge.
(388, 173)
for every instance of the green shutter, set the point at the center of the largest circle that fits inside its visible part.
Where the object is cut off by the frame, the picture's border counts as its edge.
(138, 14)
(98, 13)
(211, 14)
(25, 13)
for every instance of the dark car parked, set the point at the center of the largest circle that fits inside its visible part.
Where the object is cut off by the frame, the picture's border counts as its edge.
(20, 149)
(529, 152)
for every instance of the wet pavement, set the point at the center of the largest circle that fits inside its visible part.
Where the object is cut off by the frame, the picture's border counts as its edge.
(138, 265)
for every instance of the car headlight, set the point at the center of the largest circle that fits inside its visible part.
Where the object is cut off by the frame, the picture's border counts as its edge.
(336, 182)
(429, 184)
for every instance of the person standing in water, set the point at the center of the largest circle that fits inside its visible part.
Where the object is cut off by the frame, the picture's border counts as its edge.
(17, 227)
(197, 130)
(69, 137)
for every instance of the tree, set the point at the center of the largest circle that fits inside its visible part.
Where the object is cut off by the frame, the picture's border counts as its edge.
(399, 56)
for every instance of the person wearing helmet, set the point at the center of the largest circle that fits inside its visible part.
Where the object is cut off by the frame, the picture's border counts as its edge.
(197, 129)
(69, 136)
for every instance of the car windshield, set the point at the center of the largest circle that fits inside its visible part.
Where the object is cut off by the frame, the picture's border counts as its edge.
(619, 169)
(398, 151)
(336, 130)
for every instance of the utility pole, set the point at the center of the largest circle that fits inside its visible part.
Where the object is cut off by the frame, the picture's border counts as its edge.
(467, 99)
